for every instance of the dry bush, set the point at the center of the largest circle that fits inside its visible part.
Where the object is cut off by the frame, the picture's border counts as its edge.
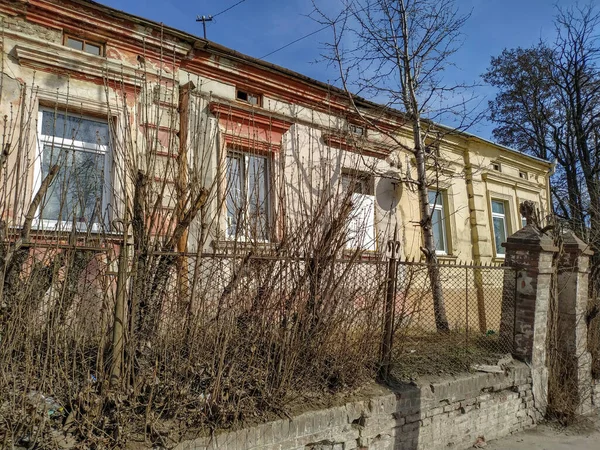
(111, 333)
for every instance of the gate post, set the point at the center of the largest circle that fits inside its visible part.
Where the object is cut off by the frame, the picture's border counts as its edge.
(575, 359)
(525, 303)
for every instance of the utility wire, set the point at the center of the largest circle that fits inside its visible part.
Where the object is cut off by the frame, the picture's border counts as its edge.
(306, 35)
(227, 9)
(297, 40)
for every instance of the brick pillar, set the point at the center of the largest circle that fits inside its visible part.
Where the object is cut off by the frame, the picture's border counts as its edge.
(525, 303)
(573, 277)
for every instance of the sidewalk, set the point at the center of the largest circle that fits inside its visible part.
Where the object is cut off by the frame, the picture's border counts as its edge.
(584, 436)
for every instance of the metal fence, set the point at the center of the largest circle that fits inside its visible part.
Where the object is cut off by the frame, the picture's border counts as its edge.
(394, 302)
(229, 336)
(473, 298)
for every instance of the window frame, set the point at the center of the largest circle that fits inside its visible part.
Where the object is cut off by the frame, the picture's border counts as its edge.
(84, 42)
(244, 155)
(41, 140)
(505, 219)
(357, 130)
(248, 94)
(367, 187)
(442, 209)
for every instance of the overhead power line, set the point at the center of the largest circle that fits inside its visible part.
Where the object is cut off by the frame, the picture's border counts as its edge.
(205, 19)
(294, 41)
(227, 9)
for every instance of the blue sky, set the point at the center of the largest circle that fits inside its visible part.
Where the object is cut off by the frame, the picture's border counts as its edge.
(257, 27)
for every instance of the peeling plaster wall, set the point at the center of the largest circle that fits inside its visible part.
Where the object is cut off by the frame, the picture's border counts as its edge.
(33, 55)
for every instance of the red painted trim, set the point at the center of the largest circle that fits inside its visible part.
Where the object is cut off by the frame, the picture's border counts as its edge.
(251, 144)
(255, 117)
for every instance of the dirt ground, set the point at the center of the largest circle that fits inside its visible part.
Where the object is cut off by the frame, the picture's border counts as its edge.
(584, 435)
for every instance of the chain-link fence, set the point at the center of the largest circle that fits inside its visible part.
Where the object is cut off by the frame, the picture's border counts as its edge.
(230, 337)
(593, 323)
(473, 298)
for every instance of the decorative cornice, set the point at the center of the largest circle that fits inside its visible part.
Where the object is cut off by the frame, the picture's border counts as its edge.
(249, 143)
(38, 54)
(123, 31)
(252, 116)
(356, 145)
(512, 181)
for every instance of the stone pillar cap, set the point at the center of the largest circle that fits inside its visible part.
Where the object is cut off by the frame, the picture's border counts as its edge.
(530, 238)
(572, 244)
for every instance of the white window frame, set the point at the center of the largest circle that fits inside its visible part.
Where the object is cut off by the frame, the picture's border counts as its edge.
(442, 209)
(242, 236)
(361, 226)
(504, 218)
(41, 139)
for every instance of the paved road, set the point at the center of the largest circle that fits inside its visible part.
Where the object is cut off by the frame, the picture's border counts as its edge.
(584, 436)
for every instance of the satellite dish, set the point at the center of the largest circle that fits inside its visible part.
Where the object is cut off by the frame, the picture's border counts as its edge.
(388, 191)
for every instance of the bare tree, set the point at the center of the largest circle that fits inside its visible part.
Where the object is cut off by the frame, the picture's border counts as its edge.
(547, 106)
(395, 52)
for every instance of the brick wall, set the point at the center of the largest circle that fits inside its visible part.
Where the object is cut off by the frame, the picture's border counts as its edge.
(435, 414)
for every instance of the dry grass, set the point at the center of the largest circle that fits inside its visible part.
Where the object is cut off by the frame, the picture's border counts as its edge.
(445, 354)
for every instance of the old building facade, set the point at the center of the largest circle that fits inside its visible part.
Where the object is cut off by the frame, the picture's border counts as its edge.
(104, 96)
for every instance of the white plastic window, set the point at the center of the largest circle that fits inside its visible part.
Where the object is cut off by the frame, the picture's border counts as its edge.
(247, 197)
(79, 192)
(438, 222)
(499, 220)
(361, 222)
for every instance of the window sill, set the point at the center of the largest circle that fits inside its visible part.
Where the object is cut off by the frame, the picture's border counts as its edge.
(62, 238)
(363, 255)
(233, 247)
(446, 257)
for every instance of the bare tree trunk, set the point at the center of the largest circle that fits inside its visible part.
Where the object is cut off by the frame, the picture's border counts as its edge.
(412, 106)
(439, 308)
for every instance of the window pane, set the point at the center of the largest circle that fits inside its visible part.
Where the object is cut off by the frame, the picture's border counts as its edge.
(361, 223)
(92, 49)
(258, 208)
(76, 128)
(439, 235)
(76, 192)
(499, 234)
(497, 207)
(356, 184)
(74, 43)
(434, 197)
(234, 203)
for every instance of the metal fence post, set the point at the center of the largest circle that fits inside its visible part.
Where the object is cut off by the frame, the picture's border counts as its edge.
(466, 308)
(389, 309)
(118, 337)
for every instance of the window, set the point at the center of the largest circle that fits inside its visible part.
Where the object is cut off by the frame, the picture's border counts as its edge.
(438, 221)
(248, 97)
(93, 48)
(79, 146)
(523, 221)
(361, 223)
(523, 175)
(499, 219)
(497, 167)
(356, 129)
(247, 197)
